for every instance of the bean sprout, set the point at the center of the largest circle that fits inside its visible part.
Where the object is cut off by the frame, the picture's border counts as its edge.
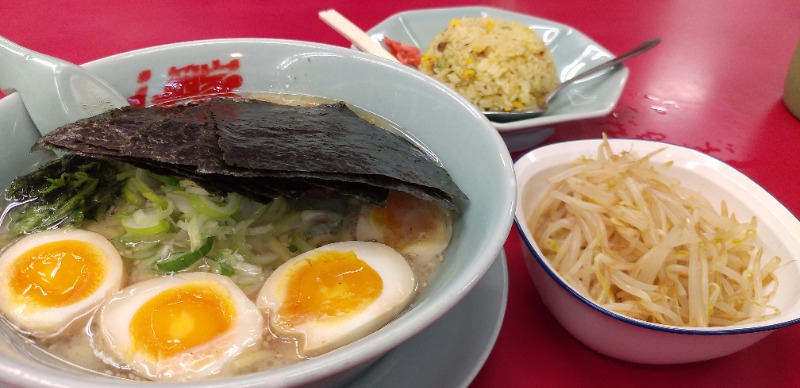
(638, 243)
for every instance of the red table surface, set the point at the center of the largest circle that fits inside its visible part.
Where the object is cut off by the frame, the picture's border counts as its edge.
(714, 84)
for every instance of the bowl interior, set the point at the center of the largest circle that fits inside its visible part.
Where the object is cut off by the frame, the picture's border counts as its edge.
(778, 229)
(435, 116)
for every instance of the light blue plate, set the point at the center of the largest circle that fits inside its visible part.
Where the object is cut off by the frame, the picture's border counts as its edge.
(572, 53)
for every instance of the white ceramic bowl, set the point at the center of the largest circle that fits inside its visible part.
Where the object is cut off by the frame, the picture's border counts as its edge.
(628, 339)
(440, 119)
(573, 52)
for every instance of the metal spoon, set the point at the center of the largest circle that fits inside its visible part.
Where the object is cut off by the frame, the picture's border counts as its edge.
(531, 112)
(55, 92)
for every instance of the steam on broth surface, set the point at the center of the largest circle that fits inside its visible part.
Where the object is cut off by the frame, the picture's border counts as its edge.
(170, 221)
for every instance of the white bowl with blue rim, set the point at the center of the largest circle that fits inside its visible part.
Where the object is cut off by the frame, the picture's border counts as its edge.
(628, 339)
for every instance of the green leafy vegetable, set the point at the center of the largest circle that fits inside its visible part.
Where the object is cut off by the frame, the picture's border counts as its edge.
(62, 192)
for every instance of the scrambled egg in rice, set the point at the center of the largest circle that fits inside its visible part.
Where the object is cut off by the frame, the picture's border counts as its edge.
(497, 65)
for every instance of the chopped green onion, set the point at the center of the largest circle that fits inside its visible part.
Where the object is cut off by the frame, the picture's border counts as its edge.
(161, 226)
(131, 194)
(177, 262)
(148, 193)
(225, 269)
(168, 180)
(148, 221)
(206, 205)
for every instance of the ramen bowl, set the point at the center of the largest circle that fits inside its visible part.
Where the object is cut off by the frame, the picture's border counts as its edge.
(432, 115)
(621, 337)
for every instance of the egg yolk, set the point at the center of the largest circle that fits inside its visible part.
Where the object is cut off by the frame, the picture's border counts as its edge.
(179, 319)
(57, 274)
(406, 220)
(330, 284)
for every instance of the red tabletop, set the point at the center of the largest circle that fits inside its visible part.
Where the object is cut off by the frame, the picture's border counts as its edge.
(714, 84)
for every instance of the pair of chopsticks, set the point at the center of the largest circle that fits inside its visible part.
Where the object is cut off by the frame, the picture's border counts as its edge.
(357, 36)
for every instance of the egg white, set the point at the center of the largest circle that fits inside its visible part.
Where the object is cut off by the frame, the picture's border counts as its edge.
(112, 340)
(427, 246)
(48, 321)
(326, 333)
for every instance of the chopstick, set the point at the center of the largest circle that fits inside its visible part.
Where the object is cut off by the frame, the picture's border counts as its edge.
(357, 36)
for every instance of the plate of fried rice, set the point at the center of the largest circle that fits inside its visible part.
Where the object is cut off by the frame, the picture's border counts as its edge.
(515, 63)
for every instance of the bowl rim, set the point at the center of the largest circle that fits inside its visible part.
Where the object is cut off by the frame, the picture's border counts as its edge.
(584, 144)
(347, 357)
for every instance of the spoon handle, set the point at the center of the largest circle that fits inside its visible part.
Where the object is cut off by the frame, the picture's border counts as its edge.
(54, 92)
(646, 45)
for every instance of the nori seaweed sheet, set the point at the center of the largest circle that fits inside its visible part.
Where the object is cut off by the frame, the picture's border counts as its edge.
(107, 133)
(262, 149)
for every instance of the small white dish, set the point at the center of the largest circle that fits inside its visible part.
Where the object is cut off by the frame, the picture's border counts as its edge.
(633, 340)
(572, 53)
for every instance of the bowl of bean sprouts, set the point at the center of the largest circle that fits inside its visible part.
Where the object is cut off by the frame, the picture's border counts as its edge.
(672, 255)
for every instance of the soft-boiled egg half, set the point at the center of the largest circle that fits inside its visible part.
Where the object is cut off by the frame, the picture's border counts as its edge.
(177, 328)
(335, 294)
(413, 227)
(54, 279)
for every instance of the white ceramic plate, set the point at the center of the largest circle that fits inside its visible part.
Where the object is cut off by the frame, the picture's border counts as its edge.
(572, 52)
(450, 352)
